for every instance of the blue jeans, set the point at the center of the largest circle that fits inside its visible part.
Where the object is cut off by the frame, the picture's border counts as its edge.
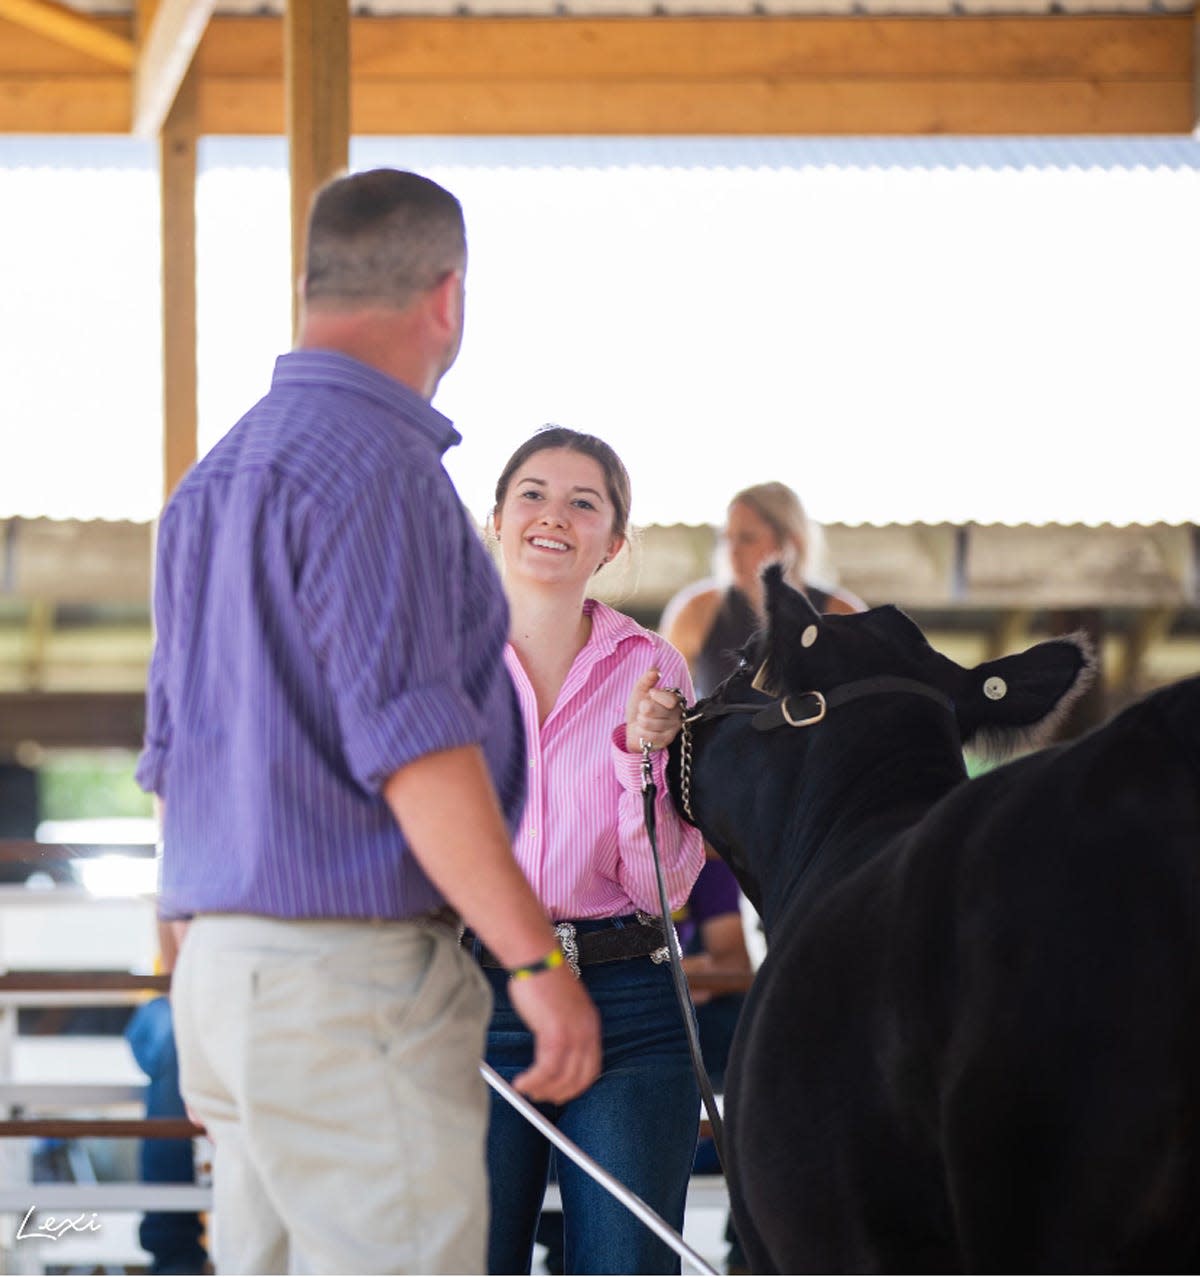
(171, 1237)
(639, 1120)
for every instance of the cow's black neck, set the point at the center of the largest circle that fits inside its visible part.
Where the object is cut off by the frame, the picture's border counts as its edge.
(848, 801)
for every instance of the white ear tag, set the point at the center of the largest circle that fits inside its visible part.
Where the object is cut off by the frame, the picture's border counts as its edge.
(995, 689)
(809, 637)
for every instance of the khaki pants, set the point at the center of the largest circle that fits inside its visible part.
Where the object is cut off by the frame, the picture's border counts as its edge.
(336, 1067)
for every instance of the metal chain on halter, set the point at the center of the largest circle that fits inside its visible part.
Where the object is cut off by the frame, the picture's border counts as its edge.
(685, 754)
(685, 762)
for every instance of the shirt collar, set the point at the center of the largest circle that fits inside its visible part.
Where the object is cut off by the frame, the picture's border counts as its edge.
(330, 367)
(610, 628)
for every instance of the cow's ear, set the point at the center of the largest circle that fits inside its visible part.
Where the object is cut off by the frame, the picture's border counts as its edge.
(1015, 702)
(792, 622)
(788, 610)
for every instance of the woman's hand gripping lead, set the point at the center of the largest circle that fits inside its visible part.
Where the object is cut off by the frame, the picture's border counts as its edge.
(653, 714)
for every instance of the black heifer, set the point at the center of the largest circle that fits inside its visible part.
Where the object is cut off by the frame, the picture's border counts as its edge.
(973, 1045)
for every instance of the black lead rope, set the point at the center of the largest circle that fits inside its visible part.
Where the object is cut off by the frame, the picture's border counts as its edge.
(649, 795)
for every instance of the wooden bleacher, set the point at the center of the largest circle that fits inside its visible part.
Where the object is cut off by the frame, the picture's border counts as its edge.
(62, 949)
(76, 1108)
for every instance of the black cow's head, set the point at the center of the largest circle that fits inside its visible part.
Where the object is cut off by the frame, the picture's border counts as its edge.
(1000, 705)
(747, 768)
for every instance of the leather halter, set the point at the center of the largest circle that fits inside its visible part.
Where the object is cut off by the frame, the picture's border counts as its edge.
(789, 711)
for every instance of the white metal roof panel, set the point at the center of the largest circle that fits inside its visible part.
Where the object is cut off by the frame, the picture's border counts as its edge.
(865, 315)
(576, 153)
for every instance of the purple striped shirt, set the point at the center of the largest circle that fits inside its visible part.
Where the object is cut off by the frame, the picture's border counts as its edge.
(325, 613)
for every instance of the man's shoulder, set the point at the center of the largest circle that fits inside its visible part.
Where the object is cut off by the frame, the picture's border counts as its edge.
(331, 450)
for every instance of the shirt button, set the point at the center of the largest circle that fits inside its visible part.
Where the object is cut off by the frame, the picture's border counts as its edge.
(533, 762)
(533, 833)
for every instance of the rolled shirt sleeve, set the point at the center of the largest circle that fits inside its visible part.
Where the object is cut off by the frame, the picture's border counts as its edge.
(385, 598)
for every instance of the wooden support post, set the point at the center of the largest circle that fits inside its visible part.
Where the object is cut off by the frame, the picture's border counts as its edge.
(1010, 634)
(177, 172)
(1148, 629)
(167, 46)
(1196, 71)
(317, 89)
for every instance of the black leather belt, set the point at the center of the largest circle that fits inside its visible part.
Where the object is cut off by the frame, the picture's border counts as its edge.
(640, 939)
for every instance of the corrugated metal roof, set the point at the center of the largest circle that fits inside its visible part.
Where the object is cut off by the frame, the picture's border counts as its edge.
(778, 153)
(1026, 329)
(926, 153)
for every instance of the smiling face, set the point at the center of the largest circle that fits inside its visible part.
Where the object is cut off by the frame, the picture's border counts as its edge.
(556, 522)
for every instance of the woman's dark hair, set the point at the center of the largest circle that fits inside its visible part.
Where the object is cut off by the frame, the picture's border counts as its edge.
(616, 477)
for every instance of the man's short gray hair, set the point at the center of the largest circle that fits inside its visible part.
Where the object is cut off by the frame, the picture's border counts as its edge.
(383, 236)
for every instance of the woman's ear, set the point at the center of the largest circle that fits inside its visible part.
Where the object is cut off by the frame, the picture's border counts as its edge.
(614, 549)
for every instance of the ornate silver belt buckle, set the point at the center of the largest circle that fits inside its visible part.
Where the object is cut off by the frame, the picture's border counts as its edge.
(565, 931)
(662, 954)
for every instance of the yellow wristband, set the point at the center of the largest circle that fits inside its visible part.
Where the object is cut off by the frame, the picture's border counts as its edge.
(553, 959)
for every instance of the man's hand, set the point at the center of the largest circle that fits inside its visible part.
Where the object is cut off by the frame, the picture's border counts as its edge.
(566, 1034)
(447, 808)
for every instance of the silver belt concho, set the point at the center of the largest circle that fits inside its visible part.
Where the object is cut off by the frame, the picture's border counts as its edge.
(565, 931)
(663, 953)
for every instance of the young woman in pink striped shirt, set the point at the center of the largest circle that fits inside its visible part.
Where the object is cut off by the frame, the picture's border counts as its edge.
(592, 684)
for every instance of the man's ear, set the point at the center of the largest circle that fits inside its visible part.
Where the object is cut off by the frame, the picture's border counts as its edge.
(446, 300)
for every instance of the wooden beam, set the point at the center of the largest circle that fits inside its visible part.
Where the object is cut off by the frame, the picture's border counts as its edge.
(81, 981)
(567, 49)
(71, 720)
(75, 1128)
(317, 92)
(761, 75)
(177, 177)
(21, 851)
(71, 29)
(164, 58)
(677, 75)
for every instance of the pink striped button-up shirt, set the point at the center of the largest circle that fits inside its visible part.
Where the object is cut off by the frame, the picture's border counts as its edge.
(582, 841)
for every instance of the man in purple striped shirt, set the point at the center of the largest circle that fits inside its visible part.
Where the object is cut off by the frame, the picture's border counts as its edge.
(336, 743)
